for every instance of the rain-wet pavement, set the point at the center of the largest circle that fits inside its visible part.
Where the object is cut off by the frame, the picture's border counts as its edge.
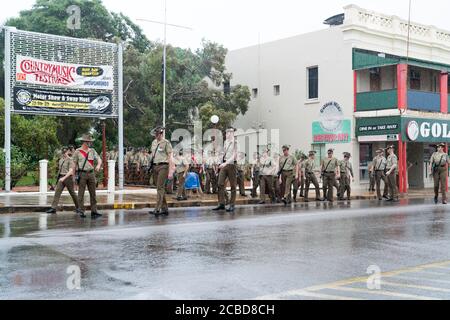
(300, 252)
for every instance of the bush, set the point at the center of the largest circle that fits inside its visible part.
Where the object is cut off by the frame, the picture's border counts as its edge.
(20, 165)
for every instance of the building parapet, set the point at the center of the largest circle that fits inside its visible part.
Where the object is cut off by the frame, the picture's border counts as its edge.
(357, 16)
(395, 27)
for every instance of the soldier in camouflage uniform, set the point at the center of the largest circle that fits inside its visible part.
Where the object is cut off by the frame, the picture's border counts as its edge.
(241, 169)
(182, 168)
(85, 159)
(267, 172)
(211, 163)
(439, 166)
(346, 172)
(299, 182)
(379, 169)
(256, 169)
(143, 166)
(276, 180)
(330, 172)
(287, 164)
(392, 171)
(310, 176)
(162, 159)
(228, 171)
(66, 170)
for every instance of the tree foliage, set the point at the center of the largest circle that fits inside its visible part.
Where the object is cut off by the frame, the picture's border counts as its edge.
(35, 136)
(194, 78)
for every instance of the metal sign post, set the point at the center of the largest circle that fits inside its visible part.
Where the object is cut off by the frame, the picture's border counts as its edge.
(7, 68)
(120, 105)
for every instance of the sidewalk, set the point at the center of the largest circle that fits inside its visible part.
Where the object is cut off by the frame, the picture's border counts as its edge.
(138, 198)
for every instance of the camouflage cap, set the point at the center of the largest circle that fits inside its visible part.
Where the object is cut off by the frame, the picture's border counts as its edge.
(86, 138)
(157, 130)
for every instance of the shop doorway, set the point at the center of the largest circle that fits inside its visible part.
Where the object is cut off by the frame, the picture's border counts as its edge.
(415, 165)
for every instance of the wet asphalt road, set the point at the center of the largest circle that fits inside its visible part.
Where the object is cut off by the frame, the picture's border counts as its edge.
(300, 252)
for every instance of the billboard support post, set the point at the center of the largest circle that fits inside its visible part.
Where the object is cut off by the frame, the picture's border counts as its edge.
(120, 111)
(7, 68)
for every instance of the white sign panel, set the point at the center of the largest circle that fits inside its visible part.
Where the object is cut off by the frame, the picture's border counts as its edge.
(380, 138)
(58, 74)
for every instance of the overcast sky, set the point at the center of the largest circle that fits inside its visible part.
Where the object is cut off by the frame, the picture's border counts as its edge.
(239, 23)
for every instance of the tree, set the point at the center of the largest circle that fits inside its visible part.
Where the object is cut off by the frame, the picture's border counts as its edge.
(226, 117)
(194, 79)
(32, 139)
(33, 135)
(50, 16)
(19, 166)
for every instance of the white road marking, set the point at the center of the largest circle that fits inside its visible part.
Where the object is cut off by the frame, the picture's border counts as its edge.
(421, 279)
(305, 293)
(385, 293)
(413, 286)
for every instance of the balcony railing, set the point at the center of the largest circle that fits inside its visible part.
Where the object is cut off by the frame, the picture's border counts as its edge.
(424, 101)
(377, 100)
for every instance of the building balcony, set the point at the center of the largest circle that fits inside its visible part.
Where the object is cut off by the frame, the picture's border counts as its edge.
(377, 100)
(424, 101)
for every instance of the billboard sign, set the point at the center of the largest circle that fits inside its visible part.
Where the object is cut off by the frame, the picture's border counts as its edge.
(75, 103)
(64, 75)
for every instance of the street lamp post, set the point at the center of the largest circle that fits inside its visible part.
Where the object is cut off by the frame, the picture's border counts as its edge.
(165, 53)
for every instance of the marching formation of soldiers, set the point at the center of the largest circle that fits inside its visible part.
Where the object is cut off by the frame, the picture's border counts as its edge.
(279, 177)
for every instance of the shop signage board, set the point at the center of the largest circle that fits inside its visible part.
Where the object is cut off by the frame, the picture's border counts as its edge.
(426, 130)
(379, 126)
(332, 127)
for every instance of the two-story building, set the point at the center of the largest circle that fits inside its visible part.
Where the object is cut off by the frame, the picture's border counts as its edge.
(369, 81)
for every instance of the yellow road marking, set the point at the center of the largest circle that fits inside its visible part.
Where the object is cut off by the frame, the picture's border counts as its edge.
(124, 206)
(339, 285)
(305, 293)
(385, 293)
(427, 288)
(385, 274)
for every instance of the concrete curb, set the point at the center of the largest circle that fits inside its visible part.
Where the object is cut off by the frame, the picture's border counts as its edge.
(141, 205)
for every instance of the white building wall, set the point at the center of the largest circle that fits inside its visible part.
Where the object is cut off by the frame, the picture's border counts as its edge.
(285, 63)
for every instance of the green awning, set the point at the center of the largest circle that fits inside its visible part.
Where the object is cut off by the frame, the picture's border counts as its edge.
(364, 59)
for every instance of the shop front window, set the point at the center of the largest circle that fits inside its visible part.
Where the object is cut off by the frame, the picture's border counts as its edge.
(365, 158)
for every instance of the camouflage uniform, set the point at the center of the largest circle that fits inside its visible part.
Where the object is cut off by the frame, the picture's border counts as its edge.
(329, 166)
(161, 151)
(392, 161)
(346, 170)
(287, 165)
(87, 176)
(310, 177)
(439, 162)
